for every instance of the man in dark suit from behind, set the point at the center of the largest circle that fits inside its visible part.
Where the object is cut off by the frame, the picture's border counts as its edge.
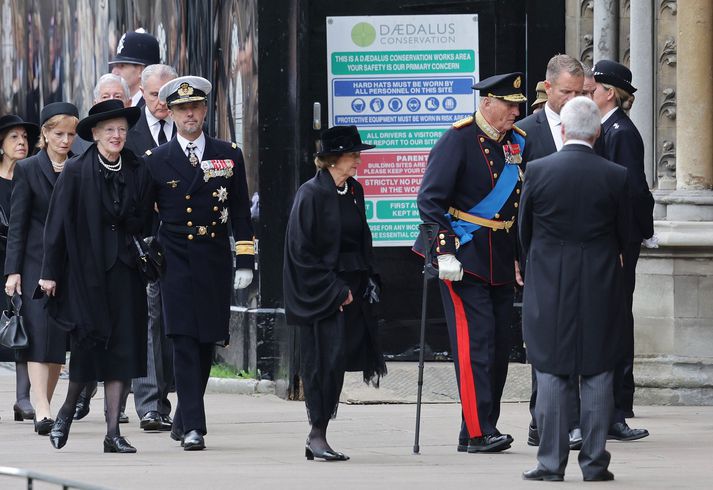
(154, 128)
(565, 80)
(572, 294)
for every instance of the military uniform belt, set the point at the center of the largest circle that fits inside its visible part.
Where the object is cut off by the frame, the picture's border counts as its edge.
(477, 220)
(192, 231)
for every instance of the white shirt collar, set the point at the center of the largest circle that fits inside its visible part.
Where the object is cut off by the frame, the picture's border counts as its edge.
(155, 126)
(136, 98)
(552, 116)
(573, 141)
(555, 123)
(608, 115)
(199, 142)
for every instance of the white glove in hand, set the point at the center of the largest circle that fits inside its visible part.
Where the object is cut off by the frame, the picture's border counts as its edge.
(449, 268)
(243, 278)
(652, 242)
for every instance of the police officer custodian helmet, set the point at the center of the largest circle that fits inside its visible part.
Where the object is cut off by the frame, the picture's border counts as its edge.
(137, 48)
(103, 111)
(614, 74)
(507, 87)
(184, 89)
(341, 139)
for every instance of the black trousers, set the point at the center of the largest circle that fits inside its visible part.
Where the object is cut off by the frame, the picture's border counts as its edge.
(323, 361)
(478, 317)
(624, 370)
(191, 362)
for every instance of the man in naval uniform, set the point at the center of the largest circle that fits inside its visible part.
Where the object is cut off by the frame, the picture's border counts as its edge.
(470, 189)
(200, 188)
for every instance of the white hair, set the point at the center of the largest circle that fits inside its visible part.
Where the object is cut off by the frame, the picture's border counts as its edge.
(163, 72)
(111, 78)
(580, 118)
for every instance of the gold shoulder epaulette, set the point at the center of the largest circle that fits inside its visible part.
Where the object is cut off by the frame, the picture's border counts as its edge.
(148, 152)
(519, 131)
(463, 122)
(235, 145)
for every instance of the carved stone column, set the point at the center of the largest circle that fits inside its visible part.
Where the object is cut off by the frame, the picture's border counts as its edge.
(642, 69)
(606, 30)
(694, 124)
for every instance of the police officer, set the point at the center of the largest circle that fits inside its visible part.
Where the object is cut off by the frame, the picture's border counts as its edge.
(135, 51)
(470, 189)
(199, 184)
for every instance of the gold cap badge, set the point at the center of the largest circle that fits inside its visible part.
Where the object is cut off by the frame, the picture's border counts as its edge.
(185, 90)
(517, 82)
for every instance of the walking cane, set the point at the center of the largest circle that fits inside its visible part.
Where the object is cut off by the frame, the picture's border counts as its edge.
(428, 234)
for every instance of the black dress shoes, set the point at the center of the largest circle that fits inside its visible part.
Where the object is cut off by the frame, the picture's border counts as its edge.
(606, 475)
(491, 443)
(23, 413)
(620, 431)
(462, 445)
(193, 441)
(44, 426)
(575, 439)
(325, 454)
(82, 409)
(533, 437)
(537, 474)
(151, 421)
(60, 432)
(166, 423)
(117, 444)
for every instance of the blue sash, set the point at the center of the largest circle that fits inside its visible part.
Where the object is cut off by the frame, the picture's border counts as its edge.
(494, 201)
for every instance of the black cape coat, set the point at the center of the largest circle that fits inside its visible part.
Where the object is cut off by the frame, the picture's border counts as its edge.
(573, 225)
(73, 248)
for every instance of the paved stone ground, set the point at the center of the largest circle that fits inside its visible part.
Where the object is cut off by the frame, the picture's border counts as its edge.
(256, 442)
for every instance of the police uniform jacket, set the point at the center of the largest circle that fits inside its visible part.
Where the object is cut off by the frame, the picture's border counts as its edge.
(573, 226)
(462, 169)
(196, 205)
(621, 143)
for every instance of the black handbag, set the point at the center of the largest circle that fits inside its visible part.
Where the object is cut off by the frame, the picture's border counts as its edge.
(151, 261)
(12, 329)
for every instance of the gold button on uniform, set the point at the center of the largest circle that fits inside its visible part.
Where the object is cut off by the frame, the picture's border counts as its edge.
(443, 242)
(190, 237)
(517, 191)
(213, 223)
(215, 194)
(188, 197)
(515, 204)
(190, 223)
(495, 175)
(487, 152)
(212, 235)
(481, 139)
(441, 236)
(215, 208)
(189, 210)
(497, 215)
(491, 163)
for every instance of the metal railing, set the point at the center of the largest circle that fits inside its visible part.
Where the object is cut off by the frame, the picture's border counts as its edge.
(33, 476)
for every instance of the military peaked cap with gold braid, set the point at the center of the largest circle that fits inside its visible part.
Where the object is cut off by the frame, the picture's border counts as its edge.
(184, 89)
(507, 87)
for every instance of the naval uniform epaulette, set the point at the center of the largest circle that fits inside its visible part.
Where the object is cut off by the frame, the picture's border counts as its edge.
(461, 123)
(148, 153)
(519, 131)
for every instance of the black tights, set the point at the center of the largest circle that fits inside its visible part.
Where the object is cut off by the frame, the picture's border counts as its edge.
(22, 386)
(113, 391)
(318, 436)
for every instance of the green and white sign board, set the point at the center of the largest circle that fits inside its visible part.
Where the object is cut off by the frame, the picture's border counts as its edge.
(402, 80)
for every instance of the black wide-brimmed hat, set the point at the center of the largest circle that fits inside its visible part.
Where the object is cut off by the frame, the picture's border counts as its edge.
(103, 111)
(137, 48)
(57, 108)
(615, 74)
(341, 139)
(507, 87)
(11, 120)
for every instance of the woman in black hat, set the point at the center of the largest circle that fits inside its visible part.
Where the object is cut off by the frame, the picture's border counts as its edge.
(16, 140)
(329, 283)
(100, 201)
(32, 188)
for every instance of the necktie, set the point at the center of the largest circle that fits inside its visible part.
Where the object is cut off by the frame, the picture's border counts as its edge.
(191, 152)
(161, 135)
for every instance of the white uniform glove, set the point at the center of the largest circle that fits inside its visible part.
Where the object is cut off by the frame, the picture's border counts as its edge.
(243, 278)
(449, 268)
(652, 242)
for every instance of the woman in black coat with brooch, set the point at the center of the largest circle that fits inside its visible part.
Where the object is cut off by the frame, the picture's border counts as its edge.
(100, 201)
(33, 182)
(330, 285)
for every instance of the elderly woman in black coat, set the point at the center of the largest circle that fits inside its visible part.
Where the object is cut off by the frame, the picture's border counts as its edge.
(100, 202)
(33, 182)
(329, 283)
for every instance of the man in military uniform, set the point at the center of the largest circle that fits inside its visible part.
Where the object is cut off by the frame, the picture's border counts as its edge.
(199, 185)
(470, 189)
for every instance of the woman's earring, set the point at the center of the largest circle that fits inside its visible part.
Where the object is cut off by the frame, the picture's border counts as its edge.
(331, 165)
(2, 152)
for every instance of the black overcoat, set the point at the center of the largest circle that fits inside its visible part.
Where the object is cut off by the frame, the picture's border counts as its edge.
(33, 183)
(312, 287)
(621, 143)
(73, 243)
(196, 287)
(573, 226)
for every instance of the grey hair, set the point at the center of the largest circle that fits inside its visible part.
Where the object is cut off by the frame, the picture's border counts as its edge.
(163, 72)
(588, 72)
(111, 78)
(581, 118)
(563, 63)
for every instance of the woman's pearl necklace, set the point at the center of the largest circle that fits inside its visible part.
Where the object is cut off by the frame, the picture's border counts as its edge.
(58, 167)
(111, 167)
(342, 192)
